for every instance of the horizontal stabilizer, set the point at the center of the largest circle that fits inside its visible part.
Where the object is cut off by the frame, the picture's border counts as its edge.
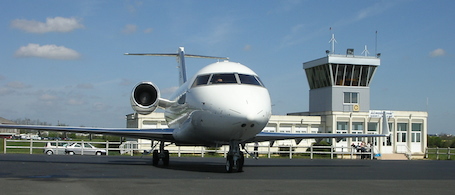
(176, 55)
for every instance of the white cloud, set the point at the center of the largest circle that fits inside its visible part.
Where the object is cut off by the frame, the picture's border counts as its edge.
(375, 9)
(148, 30)
(294, 36)
(47, 97)
(17, 85)
(170, 90)
(438, 52)
(98, 106)
(73, 101)
(217, 32)
(129, 28)
(85, 86)
(132, 8)
(247, 47)
(5, 91)
(57, 24)
(285, 6)
(47, 51)
(125, 82)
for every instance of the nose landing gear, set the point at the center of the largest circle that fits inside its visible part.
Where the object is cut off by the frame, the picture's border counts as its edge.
(235, 158)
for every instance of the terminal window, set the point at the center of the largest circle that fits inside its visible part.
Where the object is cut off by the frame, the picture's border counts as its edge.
(357, 128)
(351, 97)
(389, 138)
(402, 128)
(342, 127)
(416, 132)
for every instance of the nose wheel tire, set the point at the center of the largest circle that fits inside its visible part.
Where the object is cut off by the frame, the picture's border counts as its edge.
(230, 164)
(235, 164)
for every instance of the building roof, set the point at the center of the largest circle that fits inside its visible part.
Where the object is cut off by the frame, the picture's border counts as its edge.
(6, 121)
(7, 131)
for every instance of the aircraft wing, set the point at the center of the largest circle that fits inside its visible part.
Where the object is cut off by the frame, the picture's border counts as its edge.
(158, 134)
(298, 137)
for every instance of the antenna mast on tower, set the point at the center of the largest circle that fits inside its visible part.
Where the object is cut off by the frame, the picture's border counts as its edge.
(333, 41)
(365, 51)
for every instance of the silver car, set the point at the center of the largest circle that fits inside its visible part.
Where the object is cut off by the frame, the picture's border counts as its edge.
(84, 149)
(55, 148)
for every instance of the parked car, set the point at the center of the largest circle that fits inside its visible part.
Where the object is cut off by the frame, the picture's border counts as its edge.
(84, 149)
(55, 148)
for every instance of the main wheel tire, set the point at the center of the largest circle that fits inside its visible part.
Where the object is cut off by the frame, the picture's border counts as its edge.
(71, 153)
(240, 162)
(49, 152)
(166, 158)
(156, 158)
(98, 153)
(230, 164)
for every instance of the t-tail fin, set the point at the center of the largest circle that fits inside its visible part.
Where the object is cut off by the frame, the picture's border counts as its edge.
(180, 60)
(182, 67)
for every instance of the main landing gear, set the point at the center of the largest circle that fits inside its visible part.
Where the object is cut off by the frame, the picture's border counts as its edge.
(161, 155)
(235, 158)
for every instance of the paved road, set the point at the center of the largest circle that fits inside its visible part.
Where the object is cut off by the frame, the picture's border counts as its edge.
(42, 174)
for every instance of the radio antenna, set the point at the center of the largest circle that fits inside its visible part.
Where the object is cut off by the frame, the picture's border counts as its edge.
(333, 41)
(376, 43)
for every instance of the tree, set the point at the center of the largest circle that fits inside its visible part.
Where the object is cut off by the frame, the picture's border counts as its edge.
(434, 141)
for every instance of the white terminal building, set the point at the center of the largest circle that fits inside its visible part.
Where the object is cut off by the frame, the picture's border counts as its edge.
(339, 102)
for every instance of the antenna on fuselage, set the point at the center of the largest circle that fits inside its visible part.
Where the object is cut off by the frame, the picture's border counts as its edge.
(180, 60)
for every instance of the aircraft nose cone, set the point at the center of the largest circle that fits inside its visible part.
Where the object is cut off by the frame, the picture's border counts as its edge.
(252, 118)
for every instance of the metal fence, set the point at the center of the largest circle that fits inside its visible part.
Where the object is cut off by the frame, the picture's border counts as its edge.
(440, 153)
(32, 145)
(131, 148)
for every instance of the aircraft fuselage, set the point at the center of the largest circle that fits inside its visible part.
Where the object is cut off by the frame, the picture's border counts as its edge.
(223, 102)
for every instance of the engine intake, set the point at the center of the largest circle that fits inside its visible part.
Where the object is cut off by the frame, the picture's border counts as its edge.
(145, 98)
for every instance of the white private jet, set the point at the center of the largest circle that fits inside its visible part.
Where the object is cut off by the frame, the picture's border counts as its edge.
(225, 103)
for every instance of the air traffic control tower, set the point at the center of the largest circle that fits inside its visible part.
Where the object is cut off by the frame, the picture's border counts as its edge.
(341, 82)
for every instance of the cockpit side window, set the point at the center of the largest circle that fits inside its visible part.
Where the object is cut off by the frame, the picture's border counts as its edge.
(201, 80)
(249, 79)
(223, 78)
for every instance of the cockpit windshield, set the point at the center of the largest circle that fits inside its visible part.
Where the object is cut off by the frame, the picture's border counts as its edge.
(223, 78)
(227, 78)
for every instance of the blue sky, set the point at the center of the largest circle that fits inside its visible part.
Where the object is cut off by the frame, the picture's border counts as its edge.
(62, 61)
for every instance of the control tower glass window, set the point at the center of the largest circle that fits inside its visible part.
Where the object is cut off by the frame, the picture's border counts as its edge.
(352, 75)
(319, 76)
(340, 75)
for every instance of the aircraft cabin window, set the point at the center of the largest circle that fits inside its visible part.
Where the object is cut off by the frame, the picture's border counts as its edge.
(249, 79)
(223, 78)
